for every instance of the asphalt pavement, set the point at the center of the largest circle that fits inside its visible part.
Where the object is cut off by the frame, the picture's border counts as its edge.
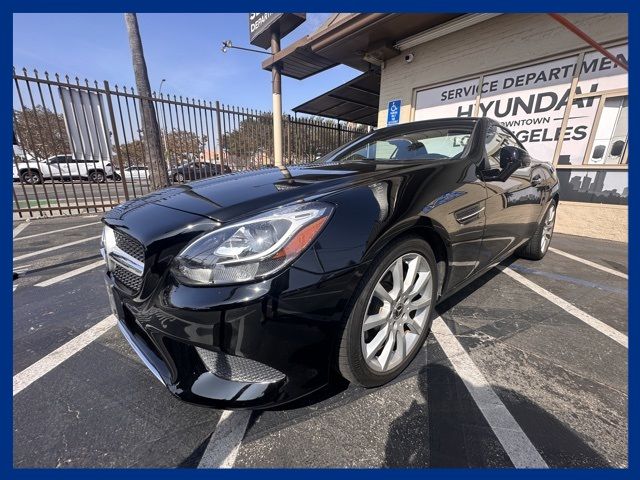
(526, 367)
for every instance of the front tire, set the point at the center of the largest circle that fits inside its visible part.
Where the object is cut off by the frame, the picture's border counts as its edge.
(391, 316)
(97, 176)
(536, 248)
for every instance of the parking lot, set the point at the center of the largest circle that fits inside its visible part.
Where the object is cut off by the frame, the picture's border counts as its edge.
(526, 367)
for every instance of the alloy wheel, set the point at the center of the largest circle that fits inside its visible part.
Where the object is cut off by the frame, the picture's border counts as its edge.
(547, 228)
(397, 312)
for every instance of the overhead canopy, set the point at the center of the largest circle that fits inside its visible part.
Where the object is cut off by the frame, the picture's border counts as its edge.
(303, 63)
(355, 101)
(354, 39)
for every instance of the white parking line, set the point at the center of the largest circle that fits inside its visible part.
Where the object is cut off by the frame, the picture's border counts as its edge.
(602, 327)
(43, 366)
(69, 274)
(51, 249)
(56, 231)
(22, 268)
(223, 446)
(514, 441)
(590, 263)
(19, 228)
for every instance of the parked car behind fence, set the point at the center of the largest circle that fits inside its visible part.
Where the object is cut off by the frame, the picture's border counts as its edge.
(61, 167)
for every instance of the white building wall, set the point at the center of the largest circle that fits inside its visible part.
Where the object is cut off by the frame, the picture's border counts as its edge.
(499, 43)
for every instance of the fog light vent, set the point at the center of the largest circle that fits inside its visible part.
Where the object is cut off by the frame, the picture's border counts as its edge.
(238, 369)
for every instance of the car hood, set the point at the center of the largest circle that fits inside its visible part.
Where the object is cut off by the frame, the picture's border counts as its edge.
(223, 198)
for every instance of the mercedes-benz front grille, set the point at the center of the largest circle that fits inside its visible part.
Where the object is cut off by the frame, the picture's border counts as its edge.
(127, 278)
(129, 245)
(133, 248)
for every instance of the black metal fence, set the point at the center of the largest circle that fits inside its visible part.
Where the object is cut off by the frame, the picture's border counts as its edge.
(79, 146)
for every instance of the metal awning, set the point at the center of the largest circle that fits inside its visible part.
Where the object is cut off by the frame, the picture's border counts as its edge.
(358, 40)
(355, 101)
(304, 63)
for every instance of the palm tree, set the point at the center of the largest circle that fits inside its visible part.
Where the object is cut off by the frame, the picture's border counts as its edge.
(152, 138)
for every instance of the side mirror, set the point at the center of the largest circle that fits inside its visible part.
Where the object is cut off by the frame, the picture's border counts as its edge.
(511, 159)
(510, 156)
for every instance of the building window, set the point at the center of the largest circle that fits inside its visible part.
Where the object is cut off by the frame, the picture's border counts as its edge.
(609, 144)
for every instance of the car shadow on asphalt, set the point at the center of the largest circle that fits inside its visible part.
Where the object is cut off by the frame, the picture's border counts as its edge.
(61, 264)
(445, 428)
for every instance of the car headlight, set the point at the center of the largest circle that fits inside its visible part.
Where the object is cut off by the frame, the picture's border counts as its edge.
(107, 243)
(251, 249)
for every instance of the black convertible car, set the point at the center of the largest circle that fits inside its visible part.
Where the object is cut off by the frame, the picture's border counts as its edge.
(249, 290)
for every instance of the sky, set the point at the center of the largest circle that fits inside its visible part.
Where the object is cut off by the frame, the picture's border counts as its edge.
(184, 49)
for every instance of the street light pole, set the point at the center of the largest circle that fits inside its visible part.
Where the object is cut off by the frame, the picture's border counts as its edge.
(276, 79)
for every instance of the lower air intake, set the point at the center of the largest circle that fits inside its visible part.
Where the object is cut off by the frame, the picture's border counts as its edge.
(238, 369)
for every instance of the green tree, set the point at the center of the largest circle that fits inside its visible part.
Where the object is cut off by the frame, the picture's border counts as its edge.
(303, 139)
(180, 146)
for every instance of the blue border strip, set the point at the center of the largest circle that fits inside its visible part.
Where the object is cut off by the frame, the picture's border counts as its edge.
(328, 5)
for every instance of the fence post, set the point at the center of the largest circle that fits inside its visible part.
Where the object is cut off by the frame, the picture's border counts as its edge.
(219, 136)
(114, 129)
(339, 134)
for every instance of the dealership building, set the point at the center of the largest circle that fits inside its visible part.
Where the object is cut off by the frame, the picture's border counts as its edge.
(566, 101)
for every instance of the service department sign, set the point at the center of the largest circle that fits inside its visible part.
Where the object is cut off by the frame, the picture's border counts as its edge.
(531, 101)
(261, 24)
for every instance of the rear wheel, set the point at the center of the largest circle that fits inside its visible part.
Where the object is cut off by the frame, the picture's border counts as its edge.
(537, 247)
(178, 177)
(31, 177)
(390, 318)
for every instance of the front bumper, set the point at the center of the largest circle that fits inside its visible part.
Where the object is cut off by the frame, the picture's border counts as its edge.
(271, 342)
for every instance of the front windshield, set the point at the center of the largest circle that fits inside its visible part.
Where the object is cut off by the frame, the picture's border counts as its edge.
(435, 143)
(332, 155)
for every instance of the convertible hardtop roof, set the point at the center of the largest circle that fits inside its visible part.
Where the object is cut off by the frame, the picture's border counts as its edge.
(435, 123)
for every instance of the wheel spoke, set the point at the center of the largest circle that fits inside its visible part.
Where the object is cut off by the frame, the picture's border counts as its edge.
(382, 293)
(411, 274)
(385, 356)
(422, 302)
(376, 320)
(423, 280)
(401, 345)
(374, 345)
(396, 273)
(414, 326)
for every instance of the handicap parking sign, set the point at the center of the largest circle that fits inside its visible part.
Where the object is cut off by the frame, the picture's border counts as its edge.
(393, 112)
